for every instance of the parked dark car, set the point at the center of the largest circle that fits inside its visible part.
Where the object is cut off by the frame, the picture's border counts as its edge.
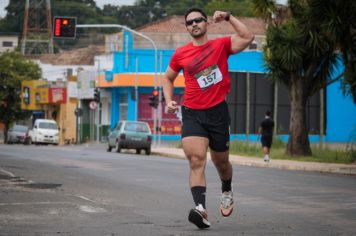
(17, 134)
(130, 135)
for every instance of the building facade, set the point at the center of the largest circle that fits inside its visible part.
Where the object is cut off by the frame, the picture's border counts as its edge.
(137, 72)
(8, 42)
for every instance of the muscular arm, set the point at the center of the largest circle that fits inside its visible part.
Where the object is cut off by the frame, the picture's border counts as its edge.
(168, 86)
(243, 36)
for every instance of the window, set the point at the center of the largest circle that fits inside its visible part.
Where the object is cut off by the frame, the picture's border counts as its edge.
(7, 44)
(136, 127)
(123, 106)
(253, 46)
(46, 125)
(118, 127)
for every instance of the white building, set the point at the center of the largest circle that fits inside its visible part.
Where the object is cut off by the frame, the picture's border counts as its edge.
(8, 42)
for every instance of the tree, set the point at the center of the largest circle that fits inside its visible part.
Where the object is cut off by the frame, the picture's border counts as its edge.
(141, 13)
(237, 7)
(14, 69)
(181, 7)
(85, 10)
(338, 20)
(301, 56)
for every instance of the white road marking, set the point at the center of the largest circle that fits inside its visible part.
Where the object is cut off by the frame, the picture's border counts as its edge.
(84, 198)
(7, 172)
(91, 209)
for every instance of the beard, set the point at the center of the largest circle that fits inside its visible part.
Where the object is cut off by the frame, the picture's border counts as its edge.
(198, 34)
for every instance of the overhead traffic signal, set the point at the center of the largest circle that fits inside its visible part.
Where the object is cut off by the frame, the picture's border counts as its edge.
(96, 95)
(154, 100)
(64, 27)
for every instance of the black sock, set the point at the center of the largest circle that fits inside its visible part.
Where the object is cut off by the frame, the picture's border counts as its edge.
(198, 193)
(226, 185)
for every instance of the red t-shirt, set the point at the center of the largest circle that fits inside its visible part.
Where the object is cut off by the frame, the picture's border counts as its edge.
(205, 69)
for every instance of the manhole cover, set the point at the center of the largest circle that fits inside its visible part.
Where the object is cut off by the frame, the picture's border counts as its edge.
(41, 185)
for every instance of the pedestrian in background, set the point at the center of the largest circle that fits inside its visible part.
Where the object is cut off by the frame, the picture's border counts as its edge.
(205, 114)
(266, 131)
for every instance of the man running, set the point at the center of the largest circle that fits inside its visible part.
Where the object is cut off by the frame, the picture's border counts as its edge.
(266, 131)
(205, 114)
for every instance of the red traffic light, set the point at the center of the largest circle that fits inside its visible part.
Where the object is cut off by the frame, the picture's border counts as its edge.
(155, 92)
(64, 27)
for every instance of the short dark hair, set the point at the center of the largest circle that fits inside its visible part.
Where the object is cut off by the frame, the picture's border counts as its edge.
(195, 9)
(268, 113)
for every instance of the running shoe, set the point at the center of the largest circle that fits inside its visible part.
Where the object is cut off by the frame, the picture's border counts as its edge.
(266, 158)
(227, 204)
(199, 217)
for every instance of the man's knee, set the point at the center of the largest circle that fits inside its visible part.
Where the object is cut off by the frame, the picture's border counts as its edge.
(196, 162)
(219, 157)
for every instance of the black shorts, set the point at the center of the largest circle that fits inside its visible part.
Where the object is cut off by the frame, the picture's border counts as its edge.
(266, 141)
(213, 123)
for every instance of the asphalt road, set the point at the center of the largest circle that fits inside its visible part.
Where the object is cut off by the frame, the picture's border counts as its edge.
(80, 190)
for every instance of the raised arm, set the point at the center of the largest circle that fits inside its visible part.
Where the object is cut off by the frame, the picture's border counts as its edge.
(243, 36)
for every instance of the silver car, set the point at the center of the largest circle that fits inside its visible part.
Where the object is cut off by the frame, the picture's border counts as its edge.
(130, 135)
(17, 134)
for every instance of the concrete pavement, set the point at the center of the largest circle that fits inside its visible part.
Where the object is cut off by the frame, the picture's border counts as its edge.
(347, 169)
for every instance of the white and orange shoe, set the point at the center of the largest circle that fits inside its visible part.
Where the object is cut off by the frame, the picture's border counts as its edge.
(227, 203)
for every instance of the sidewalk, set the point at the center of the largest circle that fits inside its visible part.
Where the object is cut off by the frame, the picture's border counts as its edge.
(347, 169)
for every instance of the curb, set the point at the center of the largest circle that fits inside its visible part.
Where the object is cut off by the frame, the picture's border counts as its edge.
(169, 155)
(322, 168)
(343, 169)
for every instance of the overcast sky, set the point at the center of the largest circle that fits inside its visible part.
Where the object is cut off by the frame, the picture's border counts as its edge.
(99, 3)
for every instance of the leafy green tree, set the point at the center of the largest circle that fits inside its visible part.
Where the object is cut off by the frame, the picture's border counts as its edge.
(141, 13)
(237, 7)
(13, 20)
(301, 56)
(85, 10)
(14, 69)
(180, 7)
(338, 20)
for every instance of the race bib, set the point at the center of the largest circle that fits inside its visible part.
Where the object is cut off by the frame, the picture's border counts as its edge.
(208, 77)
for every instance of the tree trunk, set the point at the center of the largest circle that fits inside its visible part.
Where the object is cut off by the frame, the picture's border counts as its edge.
(6, 128)
(298, 142)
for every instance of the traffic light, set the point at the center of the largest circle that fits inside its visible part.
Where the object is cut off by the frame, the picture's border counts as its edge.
(64, 27)
(96, 95)
(154, 99)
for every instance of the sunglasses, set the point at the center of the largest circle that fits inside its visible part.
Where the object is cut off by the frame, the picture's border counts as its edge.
(196, 20)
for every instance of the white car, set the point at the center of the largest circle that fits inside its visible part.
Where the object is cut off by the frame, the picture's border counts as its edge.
(44, 131)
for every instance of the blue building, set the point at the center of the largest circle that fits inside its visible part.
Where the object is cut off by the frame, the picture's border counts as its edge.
(137, 72)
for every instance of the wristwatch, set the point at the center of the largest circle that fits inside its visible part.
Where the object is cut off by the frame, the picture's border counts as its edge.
(227, 17)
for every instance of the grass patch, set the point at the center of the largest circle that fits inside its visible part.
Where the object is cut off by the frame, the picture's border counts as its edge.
(278, 151)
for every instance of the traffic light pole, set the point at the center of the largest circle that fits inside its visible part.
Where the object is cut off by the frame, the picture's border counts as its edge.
(156, 58)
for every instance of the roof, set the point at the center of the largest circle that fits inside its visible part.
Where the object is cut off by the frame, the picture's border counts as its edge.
(176, 24)
(81, 56)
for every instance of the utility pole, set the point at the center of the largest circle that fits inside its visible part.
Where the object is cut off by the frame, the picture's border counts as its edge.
(37, 28)
(248, 102)
(160, 98)
(98, 127)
